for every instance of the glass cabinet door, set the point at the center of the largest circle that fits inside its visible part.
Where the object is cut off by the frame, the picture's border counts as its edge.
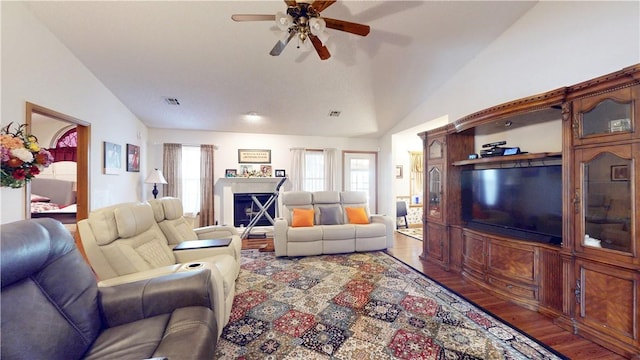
(607, 202)
(435, 191)
(435, 150)
(606, 117)
(609, 116)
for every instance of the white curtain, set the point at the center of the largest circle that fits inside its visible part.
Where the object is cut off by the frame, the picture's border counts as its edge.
(331, 182)
(297, 169)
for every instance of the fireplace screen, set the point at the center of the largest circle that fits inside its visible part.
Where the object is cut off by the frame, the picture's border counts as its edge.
(245, 209)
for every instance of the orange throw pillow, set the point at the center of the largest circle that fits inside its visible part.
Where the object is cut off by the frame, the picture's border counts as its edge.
(302, 217)
(357, 215)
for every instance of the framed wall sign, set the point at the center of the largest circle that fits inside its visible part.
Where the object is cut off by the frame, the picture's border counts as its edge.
(254, 156)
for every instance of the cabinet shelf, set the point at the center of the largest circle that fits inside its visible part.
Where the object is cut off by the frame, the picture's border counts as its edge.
(509, 158)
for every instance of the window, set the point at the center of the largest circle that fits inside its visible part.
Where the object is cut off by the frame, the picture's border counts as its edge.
(68, 139)
(191, 179)
(64, 145)
(313, 170)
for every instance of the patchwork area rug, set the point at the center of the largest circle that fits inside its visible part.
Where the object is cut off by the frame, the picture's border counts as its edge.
(358, 306)
(412, 232)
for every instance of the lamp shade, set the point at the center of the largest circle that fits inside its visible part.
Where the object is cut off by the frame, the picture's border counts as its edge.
(284, 21)
(155, 177)
(317, 25)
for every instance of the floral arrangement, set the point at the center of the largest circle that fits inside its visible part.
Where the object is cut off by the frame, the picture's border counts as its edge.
(22, 157)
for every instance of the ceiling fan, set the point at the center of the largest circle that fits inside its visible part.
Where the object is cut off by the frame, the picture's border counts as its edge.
(303, 20)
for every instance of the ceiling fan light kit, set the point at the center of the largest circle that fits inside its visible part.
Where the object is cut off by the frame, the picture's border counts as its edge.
(303, 20)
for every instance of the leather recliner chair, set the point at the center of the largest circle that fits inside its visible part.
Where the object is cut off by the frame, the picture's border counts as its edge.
(52, 308)
(169, 215)
(124, 243)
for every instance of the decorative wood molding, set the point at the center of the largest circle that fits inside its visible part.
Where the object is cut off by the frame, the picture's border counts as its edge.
(626, 77)
(512, 108)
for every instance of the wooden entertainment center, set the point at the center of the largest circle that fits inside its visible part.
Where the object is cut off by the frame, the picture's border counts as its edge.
(590, 282)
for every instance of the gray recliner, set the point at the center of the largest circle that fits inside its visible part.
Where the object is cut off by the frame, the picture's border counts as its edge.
(52, 308)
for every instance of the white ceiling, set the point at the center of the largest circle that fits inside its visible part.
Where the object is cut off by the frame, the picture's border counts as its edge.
(220, 70)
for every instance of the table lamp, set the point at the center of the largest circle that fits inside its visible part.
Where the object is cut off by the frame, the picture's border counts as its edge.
(155, 177)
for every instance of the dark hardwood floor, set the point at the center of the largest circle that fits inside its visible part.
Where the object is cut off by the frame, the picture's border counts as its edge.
(538, 326)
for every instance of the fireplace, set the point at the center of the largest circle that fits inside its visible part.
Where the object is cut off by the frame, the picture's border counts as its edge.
(245, 209)
(227, 188)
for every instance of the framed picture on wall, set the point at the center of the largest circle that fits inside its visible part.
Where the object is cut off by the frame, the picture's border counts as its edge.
(133, 158)
(112, 158)
(398, 171)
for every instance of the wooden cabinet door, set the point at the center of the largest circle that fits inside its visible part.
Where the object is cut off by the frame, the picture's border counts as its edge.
(512, 269)
(512, 260)
(435, 240)
(608, 304)
(455, 247)
(473, 254)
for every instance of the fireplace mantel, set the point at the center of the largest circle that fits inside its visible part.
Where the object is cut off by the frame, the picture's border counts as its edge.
(240, 185)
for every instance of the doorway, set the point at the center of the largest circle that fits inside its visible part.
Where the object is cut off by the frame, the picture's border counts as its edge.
(360, 174)
(83, 130)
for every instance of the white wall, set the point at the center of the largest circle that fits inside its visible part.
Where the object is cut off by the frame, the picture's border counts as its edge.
(37, 68)
(555, 44)
(227, 145)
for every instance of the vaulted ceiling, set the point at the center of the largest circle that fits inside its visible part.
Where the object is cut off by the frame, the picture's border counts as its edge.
(220, 70)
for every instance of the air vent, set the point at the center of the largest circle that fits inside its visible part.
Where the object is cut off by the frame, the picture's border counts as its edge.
(334, 113)
(172, 101)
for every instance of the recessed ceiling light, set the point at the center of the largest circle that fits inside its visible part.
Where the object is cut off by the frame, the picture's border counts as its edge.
(252, 116)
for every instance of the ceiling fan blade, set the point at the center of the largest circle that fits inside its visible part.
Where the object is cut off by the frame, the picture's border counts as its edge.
(320, 5)
(322, 50)
(280, 45)
(290, 2)
(354, 28)
(253, 17)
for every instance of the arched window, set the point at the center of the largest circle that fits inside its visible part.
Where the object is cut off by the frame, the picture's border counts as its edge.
(68, 139)
(66, 145)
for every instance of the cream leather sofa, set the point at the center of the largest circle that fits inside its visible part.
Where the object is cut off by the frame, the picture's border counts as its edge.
(124, 243)
(340, 236)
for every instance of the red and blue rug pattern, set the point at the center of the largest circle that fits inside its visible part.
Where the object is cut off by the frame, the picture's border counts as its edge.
(358, 306)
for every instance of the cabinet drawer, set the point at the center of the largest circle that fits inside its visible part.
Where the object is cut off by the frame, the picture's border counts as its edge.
(512, 288)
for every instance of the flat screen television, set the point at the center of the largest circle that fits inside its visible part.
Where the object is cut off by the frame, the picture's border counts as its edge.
(520, 202)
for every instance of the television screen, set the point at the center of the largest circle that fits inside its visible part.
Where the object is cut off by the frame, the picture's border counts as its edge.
(523, 202)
